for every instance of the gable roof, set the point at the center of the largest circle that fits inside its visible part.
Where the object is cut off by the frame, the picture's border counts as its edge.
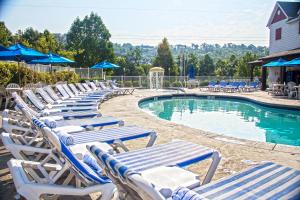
(291, 10)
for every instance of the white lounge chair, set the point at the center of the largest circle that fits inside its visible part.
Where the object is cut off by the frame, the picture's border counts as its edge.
(265, 181)
(52, 108)
(47, 98)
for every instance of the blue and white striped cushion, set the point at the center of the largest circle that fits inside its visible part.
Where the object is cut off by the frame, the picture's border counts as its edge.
(110, 135)
(180, 153)
(95, 122)
(266, 181)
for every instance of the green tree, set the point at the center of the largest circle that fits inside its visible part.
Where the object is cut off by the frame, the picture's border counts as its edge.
(31, 36)
(90, 38)
(47, 42)
(5, 35)
(164, 58)
(243, 69)
(193, 61)
(207, 67)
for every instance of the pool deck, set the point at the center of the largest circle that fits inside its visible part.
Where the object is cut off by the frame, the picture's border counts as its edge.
(237, 154)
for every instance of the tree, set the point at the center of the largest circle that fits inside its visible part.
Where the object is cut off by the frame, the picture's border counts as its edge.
(243, 69)
(207, 67)
(164, 58)
(47, 42)
(5, 35)
(193, 61)
(31, 36)
(90, 38)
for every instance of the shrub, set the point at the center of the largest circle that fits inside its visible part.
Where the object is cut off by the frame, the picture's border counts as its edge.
(166, 83)
(135, 83)
(12, 73)
(203, 83)
(176, 84)
(127, 84)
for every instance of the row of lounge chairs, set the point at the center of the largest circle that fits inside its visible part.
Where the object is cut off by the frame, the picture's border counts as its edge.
(224, 86)
(61, 149)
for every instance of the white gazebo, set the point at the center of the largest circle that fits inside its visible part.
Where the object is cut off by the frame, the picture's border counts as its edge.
(156, 77)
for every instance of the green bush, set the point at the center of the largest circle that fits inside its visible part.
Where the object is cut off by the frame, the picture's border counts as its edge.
(127, 84)
(176, 84)
(12, 73)
(135, 83)
(203, 83)
(166, 83)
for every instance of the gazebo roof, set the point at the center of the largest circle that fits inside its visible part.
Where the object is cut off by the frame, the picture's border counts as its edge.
(156, 69)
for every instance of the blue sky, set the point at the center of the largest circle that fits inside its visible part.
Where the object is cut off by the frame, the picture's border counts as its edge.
(147, 21)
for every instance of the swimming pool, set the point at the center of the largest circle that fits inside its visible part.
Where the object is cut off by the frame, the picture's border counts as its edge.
(229, 116)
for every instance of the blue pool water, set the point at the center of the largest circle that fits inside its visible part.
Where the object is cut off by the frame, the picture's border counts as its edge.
(230, 117)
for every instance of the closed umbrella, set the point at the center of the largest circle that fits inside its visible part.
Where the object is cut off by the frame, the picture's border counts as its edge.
(52, 59)
(104, 65)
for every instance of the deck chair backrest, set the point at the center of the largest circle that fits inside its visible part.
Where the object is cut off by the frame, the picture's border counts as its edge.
(45, 95)
(93, 86)
(124, 177)
(34, 99)
(74, 89)
(81, 88)
(85, 85)
(68, 90)
(103, 86)
(51, 92)
(62, 91)
(21, 103)
(82, 169)
(291, 85)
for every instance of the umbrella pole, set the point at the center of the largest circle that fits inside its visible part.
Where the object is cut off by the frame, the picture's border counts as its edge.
(19, 72)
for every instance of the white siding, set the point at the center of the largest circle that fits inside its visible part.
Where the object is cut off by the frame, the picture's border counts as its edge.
(290, 37)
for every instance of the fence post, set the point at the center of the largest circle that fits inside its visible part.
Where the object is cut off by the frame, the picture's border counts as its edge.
(140, 81)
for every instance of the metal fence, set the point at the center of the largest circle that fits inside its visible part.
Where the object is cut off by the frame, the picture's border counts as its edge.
(143, 81)
(170, 81)
(48, 68)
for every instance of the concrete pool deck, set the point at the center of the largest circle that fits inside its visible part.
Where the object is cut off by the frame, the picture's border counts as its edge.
(237, 154)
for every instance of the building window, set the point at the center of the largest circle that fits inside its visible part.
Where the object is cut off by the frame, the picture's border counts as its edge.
(278, 34)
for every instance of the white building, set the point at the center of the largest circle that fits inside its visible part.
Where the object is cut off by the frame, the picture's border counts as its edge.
(284, 25)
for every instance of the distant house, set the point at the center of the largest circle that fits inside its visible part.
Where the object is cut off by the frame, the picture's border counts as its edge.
(284, 42)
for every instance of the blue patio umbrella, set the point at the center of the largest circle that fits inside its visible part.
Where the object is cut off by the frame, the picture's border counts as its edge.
(2, 48)
(191, 72)
(104, 65)
(294, 62)
(52, 59)
(276, 63)
(20, 53)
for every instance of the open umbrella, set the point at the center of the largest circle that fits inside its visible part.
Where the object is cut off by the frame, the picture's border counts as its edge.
(104, 65)
(296, 61)
(2, 48)
(276, 63)
(52, 59)
(20, 53)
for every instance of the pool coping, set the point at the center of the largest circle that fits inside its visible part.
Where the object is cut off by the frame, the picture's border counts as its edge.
(237, 141)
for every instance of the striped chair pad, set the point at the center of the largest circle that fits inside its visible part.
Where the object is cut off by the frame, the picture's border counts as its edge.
(110, 135)
(180, 153)
(266, 181)
(95, 122)
(78, 108)
(77, 114)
